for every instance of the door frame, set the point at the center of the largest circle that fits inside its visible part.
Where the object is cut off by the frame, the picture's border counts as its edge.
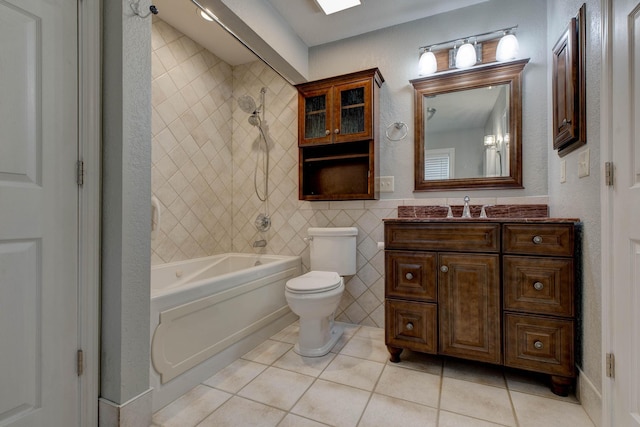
(606, 206)
(89, 198)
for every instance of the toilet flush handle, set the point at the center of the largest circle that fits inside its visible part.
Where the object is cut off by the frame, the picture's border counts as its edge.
(308, 239)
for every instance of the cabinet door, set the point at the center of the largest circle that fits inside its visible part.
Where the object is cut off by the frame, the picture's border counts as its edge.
(314, 113)
(469, 306)
(353, 111)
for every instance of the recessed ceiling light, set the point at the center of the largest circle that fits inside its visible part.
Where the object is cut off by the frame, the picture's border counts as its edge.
(332, 6)
(204, 15)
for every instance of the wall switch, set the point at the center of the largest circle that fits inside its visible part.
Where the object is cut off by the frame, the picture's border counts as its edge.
(583, 164)
(563, 171)
(386, 184)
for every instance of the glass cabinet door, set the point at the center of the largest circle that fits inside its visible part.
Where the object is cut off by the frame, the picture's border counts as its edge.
(353, 111)
(317, 120)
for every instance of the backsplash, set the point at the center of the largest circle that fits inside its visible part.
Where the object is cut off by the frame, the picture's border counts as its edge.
(204, 154)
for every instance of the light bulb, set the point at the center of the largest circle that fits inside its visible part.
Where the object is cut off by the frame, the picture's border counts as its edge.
(466, 56)
(427, 64)
(507, 48)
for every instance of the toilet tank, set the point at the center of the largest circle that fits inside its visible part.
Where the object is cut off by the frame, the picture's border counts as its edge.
(333, 249)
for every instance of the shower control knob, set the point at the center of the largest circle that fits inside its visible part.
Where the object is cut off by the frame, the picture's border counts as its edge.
(327, 132)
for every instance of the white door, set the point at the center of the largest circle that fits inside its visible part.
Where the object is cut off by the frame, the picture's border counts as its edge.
(38, 213)
(625, 271)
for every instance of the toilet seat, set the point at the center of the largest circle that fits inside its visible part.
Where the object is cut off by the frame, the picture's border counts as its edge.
(314, 282)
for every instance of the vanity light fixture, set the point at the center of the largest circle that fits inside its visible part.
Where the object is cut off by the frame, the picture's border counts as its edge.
(427, 63)
(333, 6)
(468, 54)
(508, 47)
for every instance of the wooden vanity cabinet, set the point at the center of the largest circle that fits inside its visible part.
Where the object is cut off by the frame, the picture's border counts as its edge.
(500, 293)
(338, 137)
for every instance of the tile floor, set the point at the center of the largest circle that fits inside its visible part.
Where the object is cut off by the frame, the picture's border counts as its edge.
(355, 385)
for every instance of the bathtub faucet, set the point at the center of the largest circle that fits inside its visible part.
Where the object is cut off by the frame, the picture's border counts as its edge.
(260, 243)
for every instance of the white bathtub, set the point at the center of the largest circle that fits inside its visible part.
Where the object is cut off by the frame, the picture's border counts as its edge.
(207, 312)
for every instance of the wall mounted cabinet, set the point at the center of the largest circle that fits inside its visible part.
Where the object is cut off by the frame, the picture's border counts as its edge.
(495, 292)
(338, 136)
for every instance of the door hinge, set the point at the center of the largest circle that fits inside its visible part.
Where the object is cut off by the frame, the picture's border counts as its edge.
(611, 365)
(80, 362)
(80, 172)
(608, 174)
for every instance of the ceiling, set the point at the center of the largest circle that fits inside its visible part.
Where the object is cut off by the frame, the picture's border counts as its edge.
(306, 19)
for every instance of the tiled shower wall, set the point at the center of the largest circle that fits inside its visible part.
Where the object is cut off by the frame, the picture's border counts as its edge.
(191, 147)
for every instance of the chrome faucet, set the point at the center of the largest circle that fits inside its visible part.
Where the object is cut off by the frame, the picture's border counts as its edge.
(483, 212)
(466, 213)
(260, 243)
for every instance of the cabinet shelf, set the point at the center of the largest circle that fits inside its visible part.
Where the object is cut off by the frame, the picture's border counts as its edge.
(337, 157)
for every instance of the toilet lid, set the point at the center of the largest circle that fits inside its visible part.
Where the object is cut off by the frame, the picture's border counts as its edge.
(314, 281)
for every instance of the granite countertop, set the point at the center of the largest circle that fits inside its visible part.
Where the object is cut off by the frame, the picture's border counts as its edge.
(496, 213)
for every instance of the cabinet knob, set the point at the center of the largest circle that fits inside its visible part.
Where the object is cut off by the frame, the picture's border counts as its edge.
(327, 132)
(336, 131)
(409, 326)
(444, 268)
(408, 276)
(538, 345)
(537, 239)
(538, 286)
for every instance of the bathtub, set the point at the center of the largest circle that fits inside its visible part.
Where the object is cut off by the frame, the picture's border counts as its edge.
(207, 312)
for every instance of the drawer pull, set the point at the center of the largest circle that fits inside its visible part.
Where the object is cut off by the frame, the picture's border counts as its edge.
(538, 286)
(444, 269)
(409, 326)
(537, 240)
(538, 345)
(408, 276)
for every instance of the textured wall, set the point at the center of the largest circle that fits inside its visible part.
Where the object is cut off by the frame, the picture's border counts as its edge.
(580, 197)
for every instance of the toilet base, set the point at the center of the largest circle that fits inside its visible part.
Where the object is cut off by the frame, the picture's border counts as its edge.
(334, 335)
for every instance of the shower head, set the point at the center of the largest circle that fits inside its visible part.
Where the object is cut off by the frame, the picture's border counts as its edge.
(254, 120)
(247, 104)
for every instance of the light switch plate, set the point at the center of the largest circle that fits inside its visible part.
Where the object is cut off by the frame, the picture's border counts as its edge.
(386, 184)
(563, 171)
(583, 164)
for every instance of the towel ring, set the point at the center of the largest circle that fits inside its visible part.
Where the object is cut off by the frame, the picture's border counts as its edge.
(399, 126)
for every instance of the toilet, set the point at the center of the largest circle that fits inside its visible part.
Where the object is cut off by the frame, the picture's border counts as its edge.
(315, 295)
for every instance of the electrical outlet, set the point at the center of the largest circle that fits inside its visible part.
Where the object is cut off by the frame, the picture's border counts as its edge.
(583, 164)
(386, 184)
(563, 171)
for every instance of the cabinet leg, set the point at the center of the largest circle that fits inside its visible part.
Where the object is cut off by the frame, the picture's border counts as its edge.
(561, 385)
(395, 353)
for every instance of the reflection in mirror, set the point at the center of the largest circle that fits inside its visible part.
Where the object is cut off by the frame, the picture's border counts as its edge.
(468, 127)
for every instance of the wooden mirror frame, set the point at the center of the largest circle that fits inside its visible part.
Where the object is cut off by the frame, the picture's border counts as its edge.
(510, 74)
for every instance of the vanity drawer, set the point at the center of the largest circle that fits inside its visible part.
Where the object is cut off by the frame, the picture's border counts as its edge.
(467, 237)
(538, 239)
(538, 285)
(411, 275)
(539, 344)
(411, 325)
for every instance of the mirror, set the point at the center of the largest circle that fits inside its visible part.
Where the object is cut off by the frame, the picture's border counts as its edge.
(469, 128)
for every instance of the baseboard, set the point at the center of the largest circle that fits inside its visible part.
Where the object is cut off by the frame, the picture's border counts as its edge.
(134, 413)
(590, 398)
